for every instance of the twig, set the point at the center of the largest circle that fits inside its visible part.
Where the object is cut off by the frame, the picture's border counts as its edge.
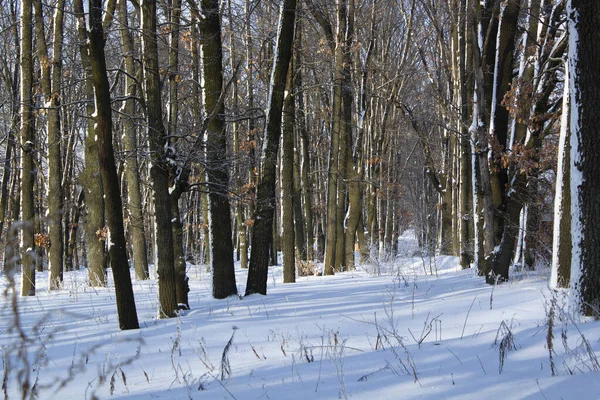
(467, 317)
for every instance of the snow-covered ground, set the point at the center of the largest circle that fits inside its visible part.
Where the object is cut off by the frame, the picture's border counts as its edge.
(385, 331)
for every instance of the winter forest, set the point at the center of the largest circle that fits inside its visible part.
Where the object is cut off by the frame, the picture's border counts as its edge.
(299, 198)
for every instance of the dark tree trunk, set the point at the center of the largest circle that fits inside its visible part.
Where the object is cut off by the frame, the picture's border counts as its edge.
(288, 237)
(265, 207)
(90, 178)
(584, 75)
(221, 246)
(160, 170)
(110, 180)
(28, 169)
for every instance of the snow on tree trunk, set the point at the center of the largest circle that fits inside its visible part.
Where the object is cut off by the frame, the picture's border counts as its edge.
(584, 51)
(561, 243)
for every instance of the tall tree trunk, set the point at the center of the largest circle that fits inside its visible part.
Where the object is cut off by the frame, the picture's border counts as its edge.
(221, 246)
(28, 170)
(335, 198)
(11, 81)
(265, 207)
(130, 144)
(299, 223)
(288, 239)
(161, 168)
(240, 225)
(90, 178)
(252, 129)
(584, 75)
(305, 175)
(115, 236)
(466, 183)
(179, 182)
(51, 77)
(561, 243)
(507, 206)
(482, 200)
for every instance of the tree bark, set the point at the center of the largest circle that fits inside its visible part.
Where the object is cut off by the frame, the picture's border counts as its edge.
(288, 239)
(265, 207)
(28, 169)
(51, 77)
(561, 243)
(115, 235)
(130, 144)
(584, 75)
(221, 246)
(91, 179)
(160, 149)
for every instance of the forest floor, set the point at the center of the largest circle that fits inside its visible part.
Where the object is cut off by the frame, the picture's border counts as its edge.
(412, 328)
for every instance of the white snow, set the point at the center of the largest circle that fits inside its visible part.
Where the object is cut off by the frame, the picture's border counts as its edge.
(109, 241)
(356, 334)
(558, 198)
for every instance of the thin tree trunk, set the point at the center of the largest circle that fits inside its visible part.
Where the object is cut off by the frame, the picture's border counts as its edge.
(240, 226)
(288, 239)
(561, 243)
(130, 143)
(51, 80)
(299, 224)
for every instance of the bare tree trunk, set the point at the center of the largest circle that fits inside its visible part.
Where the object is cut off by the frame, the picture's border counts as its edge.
(305, 178)
(115, 235)
(481, 146)
(252, 129)
(506, 215)
(28, 170)
(180, 180)
(159, 172)
(561, 243)
(51, 80)
(91, 179)
(221, 246)
(130, 143)
(240, 225)
(584, 75)
(265, 207)
(297, 92)
(288, 239)
(181, 280)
